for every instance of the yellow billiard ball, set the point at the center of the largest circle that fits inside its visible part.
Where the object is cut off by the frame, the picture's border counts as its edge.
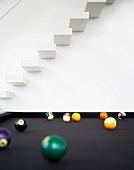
(76, 117)
(110, 123)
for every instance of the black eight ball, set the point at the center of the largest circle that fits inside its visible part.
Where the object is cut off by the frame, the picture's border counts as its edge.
(20, 125)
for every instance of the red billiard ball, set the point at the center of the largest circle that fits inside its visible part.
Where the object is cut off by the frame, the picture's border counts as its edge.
(67, 117)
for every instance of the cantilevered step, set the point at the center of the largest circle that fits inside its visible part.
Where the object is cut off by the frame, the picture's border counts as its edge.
(31, 65)
(47, 50)
(16, 80)
(63, 36)
(78, 22)
(6, 94)
(109, 2)
(94, 7)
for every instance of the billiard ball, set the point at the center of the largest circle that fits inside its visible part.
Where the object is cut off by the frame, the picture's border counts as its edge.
(76, 117)
(49, 116)
(5, 138)
(53, 147)
(122, 115)
(68, 114)
(20, 125)
(110, 123)
(67, 117)
(103, 115)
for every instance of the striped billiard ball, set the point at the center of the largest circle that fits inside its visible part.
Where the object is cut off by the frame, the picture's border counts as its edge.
(5, 138)
(122, 115)
(49, 116)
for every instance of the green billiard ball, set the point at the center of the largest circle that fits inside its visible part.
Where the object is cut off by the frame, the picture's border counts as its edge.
(49, 116)
(53, 147)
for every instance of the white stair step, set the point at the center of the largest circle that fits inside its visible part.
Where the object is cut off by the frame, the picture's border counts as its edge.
(47, 50)
(109, 2)
(94, 7)
(16, 80)
(79, 21)
(31, 65)
(6, 94)
(63, 36)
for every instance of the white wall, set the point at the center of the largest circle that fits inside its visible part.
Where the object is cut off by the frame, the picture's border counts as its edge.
(94, 73)
(5, 6)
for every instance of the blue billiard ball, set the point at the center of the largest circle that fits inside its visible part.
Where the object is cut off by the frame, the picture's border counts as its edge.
(122, 115)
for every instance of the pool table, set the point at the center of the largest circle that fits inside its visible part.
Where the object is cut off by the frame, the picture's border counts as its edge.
(89, 145)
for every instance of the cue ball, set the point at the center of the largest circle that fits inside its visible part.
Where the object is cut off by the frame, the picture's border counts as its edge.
(122, 115)
(20, 125)
(5, 138)
(110, 123)
(53, 148)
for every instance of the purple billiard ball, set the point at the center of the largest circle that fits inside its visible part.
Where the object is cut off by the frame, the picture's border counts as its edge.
(5, 138)
(122, 115)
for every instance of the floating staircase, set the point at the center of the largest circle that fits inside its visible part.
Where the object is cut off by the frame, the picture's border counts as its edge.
(62, 37)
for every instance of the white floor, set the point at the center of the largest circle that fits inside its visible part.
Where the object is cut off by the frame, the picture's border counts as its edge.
(94, 73)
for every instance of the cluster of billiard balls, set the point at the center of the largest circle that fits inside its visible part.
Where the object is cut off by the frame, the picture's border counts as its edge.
(5, 135)
(110, 122)
(54, 147)
(67, 117)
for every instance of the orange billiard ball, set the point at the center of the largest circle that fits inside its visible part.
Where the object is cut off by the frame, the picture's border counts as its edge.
(76, 117)
(103, 115)
(110, 123)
